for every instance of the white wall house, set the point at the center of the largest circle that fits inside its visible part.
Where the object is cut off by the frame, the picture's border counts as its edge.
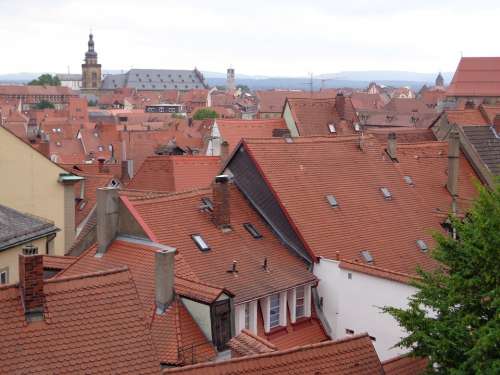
(274, 309)
(351, 302)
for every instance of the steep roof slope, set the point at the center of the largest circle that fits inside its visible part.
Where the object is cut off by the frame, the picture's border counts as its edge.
(476, 76)
(353, 356)
(93, 323)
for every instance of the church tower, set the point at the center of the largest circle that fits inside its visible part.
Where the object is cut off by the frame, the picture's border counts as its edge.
(439, 80)
(230, 81)
(91, 70)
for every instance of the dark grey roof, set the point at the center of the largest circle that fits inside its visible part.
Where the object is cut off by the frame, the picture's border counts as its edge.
(17, 228)
(155, 79)
(487, 144)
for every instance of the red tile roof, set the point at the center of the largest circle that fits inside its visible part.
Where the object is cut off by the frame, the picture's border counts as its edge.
(364, 220)
(466, 117)
(476, 76)
(405, 365)
(365, 100)
(398, 105)
(93, 323)
(312, 116)
(175, 173)
(404, 135)
(351, 356)
(175, 331)
(246, 343)
(251, 281)
(232, 131)
(56, 262)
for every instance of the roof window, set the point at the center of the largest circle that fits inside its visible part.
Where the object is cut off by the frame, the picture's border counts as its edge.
(357, 127)
(331, 128)
(387, 194)
(422, 245)
(332, 200)
(206, 204)
(408, 180)
(200, 242)
(252, 230)
(367, 256)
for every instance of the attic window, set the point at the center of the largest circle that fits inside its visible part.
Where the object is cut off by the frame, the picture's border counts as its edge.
(408, 180)
(206, 204)
(252, 230)
(367, 256)
(200, 242)
(331, 128)
(422, 245)
(357, 127)
(387, 194)
(114, 183)
(332, 200)
(100, 148)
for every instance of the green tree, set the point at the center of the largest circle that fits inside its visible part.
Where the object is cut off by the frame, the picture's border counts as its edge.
(44, 104)
(46, 80)
(204, 113)
(454, 318)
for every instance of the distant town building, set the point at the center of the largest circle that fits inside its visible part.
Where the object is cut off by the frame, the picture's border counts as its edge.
(165, 108)
(73, 81)
(231, 83)
(91, 70)
(29, 96)
(156, 79)
(439, 80)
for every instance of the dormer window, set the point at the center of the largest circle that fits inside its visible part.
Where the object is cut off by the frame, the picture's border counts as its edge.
(200, 242)
(331, 128)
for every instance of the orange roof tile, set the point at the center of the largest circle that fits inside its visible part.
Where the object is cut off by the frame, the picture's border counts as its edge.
(56, 262)
(246, 343)
(92, 323)
(466, 117)
(353, 356)
(175, 173)
(405, 365)
(476, 76)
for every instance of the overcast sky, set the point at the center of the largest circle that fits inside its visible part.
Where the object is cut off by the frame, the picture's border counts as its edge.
(266, 37)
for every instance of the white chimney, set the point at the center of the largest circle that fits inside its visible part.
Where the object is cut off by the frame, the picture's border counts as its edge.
(164, 278)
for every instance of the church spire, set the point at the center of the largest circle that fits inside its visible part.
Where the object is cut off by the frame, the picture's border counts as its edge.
(91, 42)
(440, 80)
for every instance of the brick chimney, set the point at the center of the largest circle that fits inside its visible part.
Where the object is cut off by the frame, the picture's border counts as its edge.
(392, 146)
(164, 277)
(496, 124)
(107, 217)
(221, 212)
(224, 152)
(340, 104)
(453, 162)
(31, 283)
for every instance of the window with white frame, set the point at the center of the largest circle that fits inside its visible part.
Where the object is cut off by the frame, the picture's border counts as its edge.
(299, 302)
(274, 310)
(4, 275)
(247, 316)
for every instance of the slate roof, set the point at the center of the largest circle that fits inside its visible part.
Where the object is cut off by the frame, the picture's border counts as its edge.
(155, 79)
(405, 365)
(175, 173)
(174, 332)
(486, 142)
(364, 220)
(17, 228)
(93, 323)
(251, 281)
(353, 356)
(476, 76)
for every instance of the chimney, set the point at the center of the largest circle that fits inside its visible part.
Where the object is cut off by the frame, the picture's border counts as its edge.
(125, 175)
(224, 152)
(100, 162)
(392, 146)
(164, 278)
(221, 212)
(107, 217)
(31, 283)
(496, 124)
(453, 154)
(340, 104)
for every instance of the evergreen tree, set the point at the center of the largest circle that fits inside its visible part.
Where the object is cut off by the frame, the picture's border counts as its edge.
(46, 80)
(204, 113)
(454, 318)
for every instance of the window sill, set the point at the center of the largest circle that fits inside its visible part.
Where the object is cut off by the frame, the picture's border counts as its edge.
(276, 330)
(299, 321)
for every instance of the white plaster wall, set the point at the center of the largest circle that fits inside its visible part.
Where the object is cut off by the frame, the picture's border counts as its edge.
(201, 314)
(213, 147)
(290, 122)
(352, 304)
(240, 317)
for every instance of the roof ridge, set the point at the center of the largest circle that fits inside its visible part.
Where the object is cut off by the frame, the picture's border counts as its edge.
(259, 339)
(276, 353)
(179, 195)
(87, 275)
(379, 269)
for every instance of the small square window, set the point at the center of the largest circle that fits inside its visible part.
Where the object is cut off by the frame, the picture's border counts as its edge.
(200, 242)
(331, 128)
(4, 276)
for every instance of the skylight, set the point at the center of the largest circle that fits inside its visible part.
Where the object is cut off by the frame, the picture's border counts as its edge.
(252, 230)
(332, 129)
(422, 245)
(387, 194)
(200, 242)
(357, 127)
(408, 180)
(332, 200)
(367, 256)
(206, 204)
